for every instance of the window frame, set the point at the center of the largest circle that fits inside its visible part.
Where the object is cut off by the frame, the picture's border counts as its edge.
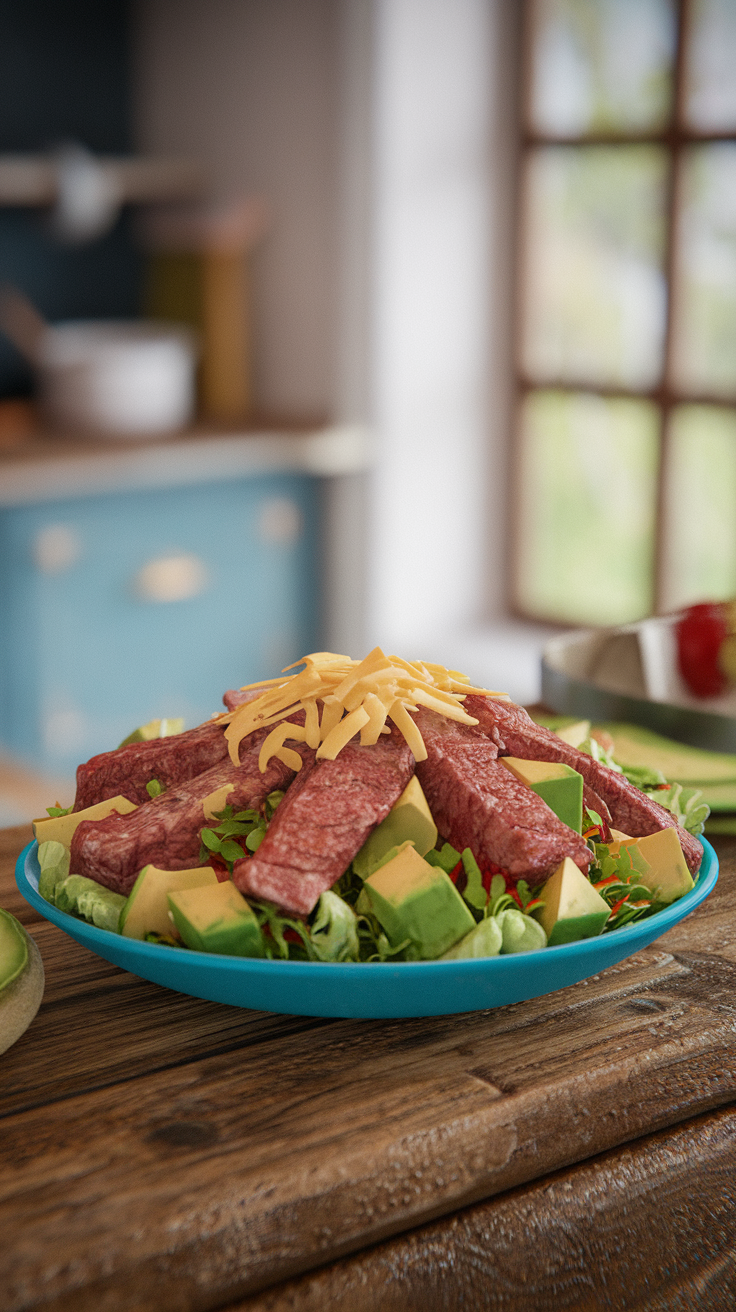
(676, 137)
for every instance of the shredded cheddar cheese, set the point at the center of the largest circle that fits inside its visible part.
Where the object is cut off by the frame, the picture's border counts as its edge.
(340, 698)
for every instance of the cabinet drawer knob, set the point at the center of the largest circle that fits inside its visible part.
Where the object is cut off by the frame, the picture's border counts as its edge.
(171, 578)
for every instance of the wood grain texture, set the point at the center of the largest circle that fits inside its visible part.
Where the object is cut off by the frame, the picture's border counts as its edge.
(650, 1227)
(163, 1152)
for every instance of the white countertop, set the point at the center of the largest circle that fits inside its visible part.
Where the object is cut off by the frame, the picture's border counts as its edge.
(49, 469)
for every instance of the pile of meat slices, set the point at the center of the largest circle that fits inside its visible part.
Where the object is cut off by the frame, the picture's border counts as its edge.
(331, 807)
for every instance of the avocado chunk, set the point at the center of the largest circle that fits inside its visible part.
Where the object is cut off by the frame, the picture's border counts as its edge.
(483, 941)
(53, 859)
(13, 949)
(634, 746)
(660, 865)
(446, 858)
(216, 918)
(416, 901)
(572, 909)
(61, 828)
(617, 838)
(574, 734)
(558, 785)
(409, 820)
(21, 979)
(146, 910)
(90, 900)
(154, 729)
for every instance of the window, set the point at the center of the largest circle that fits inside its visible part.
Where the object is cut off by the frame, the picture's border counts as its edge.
(626, 444)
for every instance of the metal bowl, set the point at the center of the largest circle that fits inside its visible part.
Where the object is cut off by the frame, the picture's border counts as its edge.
(631, 674)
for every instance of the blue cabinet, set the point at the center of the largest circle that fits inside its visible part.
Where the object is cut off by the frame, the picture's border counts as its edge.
(118, 607)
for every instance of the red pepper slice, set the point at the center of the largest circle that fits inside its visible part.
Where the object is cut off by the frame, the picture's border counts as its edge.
(618, 905)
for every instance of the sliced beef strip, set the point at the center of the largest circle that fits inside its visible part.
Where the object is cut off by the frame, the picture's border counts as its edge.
(323, 821)
(477, 803)
(516, 734)
(165, 831)
(235, 697)
(592, 802)
(171, 760)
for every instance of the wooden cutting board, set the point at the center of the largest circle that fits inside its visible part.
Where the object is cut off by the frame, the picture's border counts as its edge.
(162, 1152)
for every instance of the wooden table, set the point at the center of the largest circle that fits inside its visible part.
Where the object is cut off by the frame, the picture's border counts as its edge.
(577, 1151)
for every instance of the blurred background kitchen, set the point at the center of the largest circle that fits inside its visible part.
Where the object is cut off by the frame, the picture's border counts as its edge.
(453, 357)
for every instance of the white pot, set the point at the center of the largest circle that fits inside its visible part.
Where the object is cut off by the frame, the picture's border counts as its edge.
(116, 378)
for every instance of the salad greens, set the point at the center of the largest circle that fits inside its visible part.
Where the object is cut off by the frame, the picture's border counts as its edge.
(250, 825)
(687, 804)
(337, 932)
(340, 929)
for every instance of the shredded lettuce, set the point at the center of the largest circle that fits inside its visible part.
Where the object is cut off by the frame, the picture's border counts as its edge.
(88, 900)
(593, 748)
(53, 859)
(519, 933)
(334, 930)
(274, 929)
(642, 776)
(374, 943)
(686, 805)
(485, 940)
(618, 882)
(474, 893)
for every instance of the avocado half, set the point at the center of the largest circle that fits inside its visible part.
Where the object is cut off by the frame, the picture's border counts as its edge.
(21, 979)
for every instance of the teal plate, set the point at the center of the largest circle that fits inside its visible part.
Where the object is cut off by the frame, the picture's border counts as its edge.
(359, 991)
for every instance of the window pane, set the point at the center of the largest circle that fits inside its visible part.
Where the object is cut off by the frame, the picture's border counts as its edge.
(710, 77)
(588, 485)
(594, 286)
(704, 346)
(601, 67)
(701, 497)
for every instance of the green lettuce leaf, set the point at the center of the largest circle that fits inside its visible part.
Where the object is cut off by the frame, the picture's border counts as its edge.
(334, 930)
(687, 805)
(519, 933)
(474, 893)
(53, 858)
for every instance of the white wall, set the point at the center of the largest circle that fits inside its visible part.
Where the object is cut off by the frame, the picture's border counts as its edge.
(384, 132)
(441, 198)
(438, 137)
(430, 317)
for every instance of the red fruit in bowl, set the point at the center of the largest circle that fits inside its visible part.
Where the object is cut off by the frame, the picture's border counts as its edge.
(700, 632)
